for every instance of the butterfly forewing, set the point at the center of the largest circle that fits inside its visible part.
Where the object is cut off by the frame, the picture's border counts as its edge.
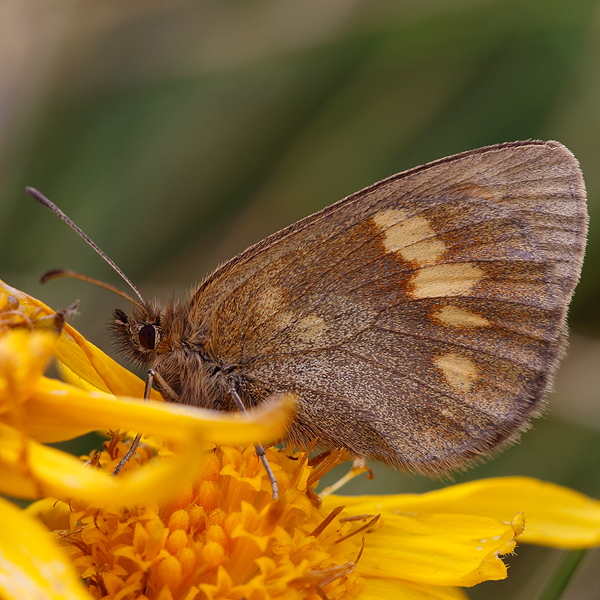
(418, 321)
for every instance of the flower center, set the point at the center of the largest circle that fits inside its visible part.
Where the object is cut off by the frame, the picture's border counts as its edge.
(222, 536)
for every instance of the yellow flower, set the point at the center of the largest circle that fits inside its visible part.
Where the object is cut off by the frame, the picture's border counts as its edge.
(220, 535)
(224, 538)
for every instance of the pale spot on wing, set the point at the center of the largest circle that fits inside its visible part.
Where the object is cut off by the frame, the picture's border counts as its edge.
(273, 307)
(459, 317)
(444, 280)
(283, 319)
(459, 371)
(411, 237)
(275, 314)
(310, 328)
(389, 217)
(271, 299)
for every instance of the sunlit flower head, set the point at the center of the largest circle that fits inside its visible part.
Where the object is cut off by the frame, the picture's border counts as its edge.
(223, 537)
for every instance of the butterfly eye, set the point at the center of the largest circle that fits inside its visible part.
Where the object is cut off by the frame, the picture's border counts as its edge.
(147, 336)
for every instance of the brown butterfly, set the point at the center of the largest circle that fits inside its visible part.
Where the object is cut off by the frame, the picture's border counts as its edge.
(419, 321)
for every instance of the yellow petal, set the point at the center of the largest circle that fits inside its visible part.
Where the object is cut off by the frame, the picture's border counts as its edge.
(556, 516)
(68, 375)
(23, 358)
(32, 470)
(396, 589)
(32, 565)
(92, 365)
(58, 411)
(437, 549)
(53, 514)
(83, 358)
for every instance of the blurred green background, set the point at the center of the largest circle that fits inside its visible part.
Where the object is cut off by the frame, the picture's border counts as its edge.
(176, 133)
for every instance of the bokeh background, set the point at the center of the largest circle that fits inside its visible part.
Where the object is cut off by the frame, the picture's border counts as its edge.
(176, 133)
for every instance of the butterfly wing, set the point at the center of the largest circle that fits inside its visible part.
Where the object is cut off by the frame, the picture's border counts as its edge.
(420, 320)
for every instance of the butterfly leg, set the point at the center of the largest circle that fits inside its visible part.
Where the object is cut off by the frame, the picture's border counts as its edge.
(260, 451)
(166, 391)
(136, 442)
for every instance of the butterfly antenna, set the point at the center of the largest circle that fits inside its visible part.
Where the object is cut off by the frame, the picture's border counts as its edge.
(48, 204)
(58, 273)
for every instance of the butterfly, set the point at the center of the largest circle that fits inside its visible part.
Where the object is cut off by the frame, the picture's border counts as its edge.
(418, 322)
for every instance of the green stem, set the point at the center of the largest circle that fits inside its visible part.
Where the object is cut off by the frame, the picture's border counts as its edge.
(562, 575)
